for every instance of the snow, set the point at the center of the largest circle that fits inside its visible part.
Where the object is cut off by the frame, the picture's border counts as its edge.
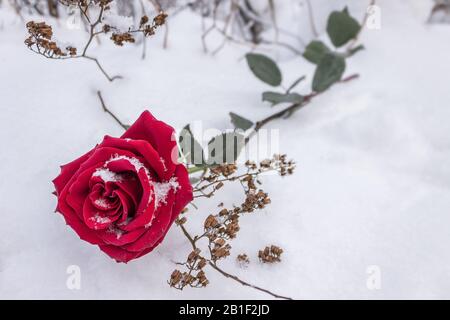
(107, 175)
(162, 190)
(138, 165)
(116, 231)
(371, 187)
(100, 220)
(101, 202)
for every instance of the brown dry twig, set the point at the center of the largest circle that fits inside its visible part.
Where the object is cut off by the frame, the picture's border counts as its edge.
(288, 111)
(239, 15)
(40, 39)
(105, 108)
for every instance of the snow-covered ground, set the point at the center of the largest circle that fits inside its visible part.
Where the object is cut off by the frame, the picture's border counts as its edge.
(372, 186)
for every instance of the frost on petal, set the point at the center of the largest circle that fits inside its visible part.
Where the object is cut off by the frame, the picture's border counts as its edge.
(99, 220)
(107, 175)
(116, 231)
(138, 165)
(102, 203)
(161, 190)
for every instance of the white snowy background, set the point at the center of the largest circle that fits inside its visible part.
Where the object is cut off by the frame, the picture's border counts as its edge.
(372, 185)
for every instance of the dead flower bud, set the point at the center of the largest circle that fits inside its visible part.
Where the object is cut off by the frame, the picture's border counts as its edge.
(223, 170)
(72, 51)
(270, 254)
(220, 251)
(40, 40)
(179, 280)
(144, 20)
(201, 278)
(250, 164)
(219, 242)
(40, 29)
(193, 255)
(180, 221)
(120, 38)
(265, 163)
(201, 263)
(175, 278)
(255, 200)
(243, 260)
(211, 222)
(160, 19)
(106, 28)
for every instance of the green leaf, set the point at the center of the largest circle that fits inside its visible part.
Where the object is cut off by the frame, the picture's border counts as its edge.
(191, 148)
(341, 27)
(225, 148)
(240, 122)
(315, 51)
(264, 68)
(295, 83)
(276, 98)
(330, 70)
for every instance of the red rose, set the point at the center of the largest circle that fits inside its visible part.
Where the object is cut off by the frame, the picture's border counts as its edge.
(125, 193)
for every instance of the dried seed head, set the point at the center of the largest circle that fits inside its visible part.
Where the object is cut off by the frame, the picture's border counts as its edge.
(160, 19)
(243, 260)
(144, 20)
(211, 222)
(120, 38)
(175, 278)
(180, 221)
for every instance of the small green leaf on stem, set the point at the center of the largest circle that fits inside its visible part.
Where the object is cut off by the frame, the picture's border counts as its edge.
(191, 148)
(240, 122)
(264, 69)
(225, 148)
(341, 27)
(315, 51)
(295, 83)
(354, 50)
(330, 70)
(277, 98)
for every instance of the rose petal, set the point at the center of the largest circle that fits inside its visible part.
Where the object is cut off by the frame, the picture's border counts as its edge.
(159, 135)
(184, 194)
(157, 229)
(96, 219)
(118, 254)
(68, 170)
(141, 148)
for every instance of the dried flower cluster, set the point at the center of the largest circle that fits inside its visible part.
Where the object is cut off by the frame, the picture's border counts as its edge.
(194, 277)
(220, 228)
(40, 38)
(146, 28)
(270, 254)
(93, 13)
(217, 175)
